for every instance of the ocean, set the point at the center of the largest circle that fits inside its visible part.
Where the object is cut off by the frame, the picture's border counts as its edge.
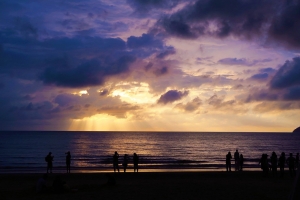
(24, 152)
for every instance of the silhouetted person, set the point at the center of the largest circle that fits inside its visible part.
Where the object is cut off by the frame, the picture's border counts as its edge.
(274, 162)
(125, 162)
(291, 163)
(116, 162)
(228, 161)
(264, 164)
(41, 186)
(236, 160)
(68, 161)
(49, 160)
(241, 162)
(281, 164)
(297, 161)
(135, 163)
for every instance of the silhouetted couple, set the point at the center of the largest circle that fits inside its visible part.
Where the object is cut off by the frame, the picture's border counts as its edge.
(238, 161)
(49, 159)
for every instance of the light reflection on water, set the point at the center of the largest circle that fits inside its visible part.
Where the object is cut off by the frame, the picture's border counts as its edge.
(95, 149)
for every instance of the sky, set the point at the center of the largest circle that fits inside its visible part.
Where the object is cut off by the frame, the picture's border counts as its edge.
(150, 65)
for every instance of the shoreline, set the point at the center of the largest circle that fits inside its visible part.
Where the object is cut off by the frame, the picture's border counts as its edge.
(152, 185)
(212, 168)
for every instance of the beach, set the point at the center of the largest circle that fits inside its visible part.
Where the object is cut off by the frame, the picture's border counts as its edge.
(153, 185)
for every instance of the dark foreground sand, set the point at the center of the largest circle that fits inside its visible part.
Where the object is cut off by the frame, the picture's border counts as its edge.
(175, 185)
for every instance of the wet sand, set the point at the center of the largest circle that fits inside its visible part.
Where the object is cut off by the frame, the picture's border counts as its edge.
(154, 185)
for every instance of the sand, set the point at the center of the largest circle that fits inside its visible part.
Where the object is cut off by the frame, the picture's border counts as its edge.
(154, 185)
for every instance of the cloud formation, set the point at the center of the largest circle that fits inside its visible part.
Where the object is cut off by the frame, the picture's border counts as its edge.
(171, 96)
(245, 19)
(190, 106)
(91, 73)
(288, 75)
(115, 59)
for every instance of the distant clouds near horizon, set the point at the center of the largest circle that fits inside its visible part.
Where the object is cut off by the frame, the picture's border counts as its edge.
(150, 65)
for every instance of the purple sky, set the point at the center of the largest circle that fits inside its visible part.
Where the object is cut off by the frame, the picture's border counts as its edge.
(150, 65)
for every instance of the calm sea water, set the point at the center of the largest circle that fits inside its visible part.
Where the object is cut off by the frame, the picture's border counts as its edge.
(93, 151)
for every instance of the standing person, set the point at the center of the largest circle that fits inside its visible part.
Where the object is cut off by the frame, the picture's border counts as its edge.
(274, 163)
(281, 163)
(116, 161)
(228, 161)
(135, 162)
(68, 161)
(236, 160)
(49, 160)
(241, 162)
(291, 163)
(125, 162)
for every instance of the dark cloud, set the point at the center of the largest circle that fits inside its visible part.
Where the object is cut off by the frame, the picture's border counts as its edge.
(26, 111)
(91, 73)
(242, 61)
(262, 76)
(284, 85)
(268, 70)
(65, 99)
(145, 41)
(237, 17)
(142, 6)
(171, 96)
(166, 52)
(24, 27)
(24, 54)
(288, 75)
(292, 94)
(147, 45)
(285, 27)
(246, 19)
(178, 28)
(233, 61)
(161, 71)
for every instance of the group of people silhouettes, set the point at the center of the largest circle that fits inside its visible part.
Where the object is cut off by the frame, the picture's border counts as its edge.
(125, 162)
(266, 164)
(274, 162)
(238, 161)
(49, 159)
